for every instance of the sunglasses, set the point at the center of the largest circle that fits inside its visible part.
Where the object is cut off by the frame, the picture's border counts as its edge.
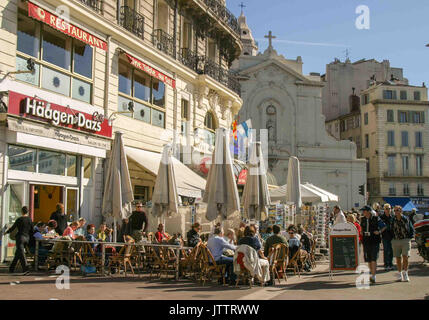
(139, 207)
(291, 232)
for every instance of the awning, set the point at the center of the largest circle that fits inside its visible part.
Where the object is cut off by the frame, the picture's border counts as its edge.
(405, 203)
(307, 194)
(150, 70)
(332, 197)
(189, 184)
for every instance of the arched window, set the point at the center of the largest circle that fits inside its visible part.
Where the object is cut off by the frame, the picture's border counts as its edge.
(209, 121)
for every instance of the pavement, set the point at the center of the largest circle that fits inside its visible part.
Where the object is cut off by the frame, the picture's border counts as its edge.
(315, 285)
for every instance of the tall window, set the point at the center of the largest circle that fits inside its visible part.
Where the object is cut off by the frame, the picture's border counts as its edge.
(365, 118)
(389, 94)
(420, 190)
(162, 16)
(391, 164)
(63, 64)
(392, 189)
(357, 121)
(404, 138)
(187, 34)
(209, 130)
(417, 95)
(419, 165)
(402, 116)
(185, 115)
(390, 116)
(403, 95)
(145, 93)
(211, 50)
(405, 165)
(419, 139)
(391, 138)
(418, 116)
(406, 189)
(366, 141)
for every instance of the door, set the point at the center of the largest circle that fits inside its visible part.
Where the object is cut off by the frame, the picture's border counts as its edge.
(72, 203)
(16, 197)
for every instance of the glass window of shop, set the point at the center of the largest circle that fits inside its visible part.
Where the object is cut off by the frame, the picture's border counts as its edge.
(145, 93)
(48, 162)
(63, 64)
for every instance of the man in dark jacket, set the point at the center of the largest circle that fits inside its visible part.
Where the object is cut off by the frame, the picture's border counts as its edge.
(138, 222)
(403, 232)
(61, 218)
(25, 228)
(387, 235)
(193, 235)
(372, 227)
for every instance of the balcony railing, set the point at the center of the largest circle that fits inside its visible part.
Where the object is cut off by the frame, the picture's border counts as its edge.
(132, 21)
(221, 75)
(163, 41)
(93, 4)
(190, 59)
(222, 12)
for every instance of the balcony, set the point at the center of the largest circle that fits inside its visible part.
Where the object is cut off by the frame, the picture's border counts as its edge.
(163, 41)
(221, 75)
(93, 4)
(190, 59)
(132, 21)
(222, 12)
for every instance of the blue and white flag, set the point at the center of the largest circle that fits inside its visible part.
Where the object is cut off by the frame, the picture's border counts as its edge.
(244, 127)
(244, 133)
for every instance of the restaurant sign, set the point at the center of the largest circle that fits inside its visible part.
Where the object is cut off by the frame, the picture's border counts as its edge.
(151, 71)
(59, 24)
(37, 109)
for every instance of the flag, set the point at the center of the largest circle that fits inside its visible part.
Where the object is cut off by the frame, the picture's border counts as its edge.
(234, 129)
(244, 127)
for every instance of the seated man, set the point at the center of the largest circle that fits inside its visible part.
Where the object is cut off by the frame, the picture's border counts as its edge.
(294, 242)
(38, 234)
(274, 239)
(216, 244)
(193, 235)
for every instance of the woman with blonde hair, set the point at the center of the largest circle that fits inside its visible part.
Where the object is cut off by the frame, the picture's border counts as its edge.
(230, 236)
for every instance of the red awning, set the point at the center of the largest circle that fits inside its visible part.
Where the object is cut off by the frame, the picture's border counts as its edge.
(150, 70)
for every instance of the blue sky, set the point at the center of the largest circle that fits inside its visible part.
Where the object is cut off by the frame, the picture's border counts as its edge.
(399, 31)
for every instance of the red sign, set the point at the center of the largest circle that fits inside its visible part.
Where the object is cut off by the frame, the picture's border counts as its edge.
(37, 109)
(57, 23)
(153, 72)
(242, 177)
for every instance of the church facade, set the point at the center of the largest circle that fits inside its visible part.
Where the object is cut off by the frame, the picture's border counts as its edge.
(278, 97)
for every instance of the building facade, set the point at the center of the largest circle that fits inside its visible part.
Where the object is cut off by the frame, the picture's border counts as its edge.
(158, 71)
(341, 77)
(395, 142)
(280, 99)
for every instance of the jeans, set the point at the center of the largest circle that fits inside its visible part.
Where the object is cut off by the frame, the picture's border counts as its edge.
(387, 253)
(228, 261)
(21, 242)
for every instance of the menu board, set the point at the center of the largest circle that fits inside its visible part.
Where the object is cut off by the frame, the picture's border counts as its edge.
(344, 252)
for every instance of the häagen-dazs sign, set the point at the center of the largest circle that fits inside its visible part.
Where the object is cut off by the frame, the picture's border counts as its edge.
(37, 109)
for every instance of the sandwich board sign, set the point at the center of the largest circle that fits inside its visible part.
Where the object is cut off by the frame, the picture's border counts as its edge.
(343, 247)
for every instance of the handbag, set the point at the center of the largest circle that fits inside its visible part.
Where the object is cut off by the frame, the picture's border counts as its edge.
(12, 235)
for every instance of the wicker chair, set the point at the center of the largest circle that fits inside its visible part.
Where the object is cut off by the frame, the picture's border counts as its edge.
(209, 267)
(123, 258)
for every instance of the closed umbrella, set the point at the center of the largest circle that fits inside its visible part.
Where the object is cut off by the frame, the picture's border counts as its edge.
(293, 191)
(165, 198)
(221, 194)
(118, 191)
(256, 197)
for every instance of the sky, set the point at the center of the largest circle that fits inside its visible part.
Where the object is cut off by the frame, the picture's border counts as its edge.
(320, 31)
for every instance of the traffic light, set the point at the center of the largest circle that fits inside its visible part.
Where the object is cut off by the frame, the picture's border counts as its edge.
(362, 190)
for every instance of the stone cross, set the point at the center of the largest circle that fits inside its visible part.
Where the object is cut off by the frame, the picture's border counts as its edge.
(270, 39)
(242, 6)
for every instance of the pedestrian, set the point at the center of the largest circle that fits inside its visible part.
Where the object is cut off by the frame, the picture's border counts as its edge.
(372, 227)
(403, 232)
(339, 216)
(193, 235)
(60, 217)
(387, 236)
(138, 222)
(25, 228)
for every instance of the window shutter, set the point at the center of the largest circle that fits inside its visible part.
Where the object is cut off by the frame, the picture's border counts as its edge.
(394, 94)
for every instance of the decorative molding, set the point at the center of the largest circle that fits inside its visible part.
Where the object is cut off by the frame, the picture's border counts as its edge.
(213, 98)
(201, 93)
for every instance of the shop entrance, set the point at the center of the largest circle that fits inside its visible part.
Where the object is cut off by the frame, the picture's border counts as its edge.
(45, 199)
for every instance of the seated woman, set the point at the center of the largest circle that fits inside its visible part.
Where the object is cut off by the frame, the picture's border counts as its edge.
(50, 230)
(230, 236)
(251, 240)
(69, 231)
(160, 235)
(38, 232)
(80, 230)
(101, 235)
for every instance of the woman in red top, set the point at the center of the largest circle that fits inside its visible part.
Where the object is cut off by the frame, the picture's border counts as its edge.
(160, 235)
(352, 219)
(69, 231)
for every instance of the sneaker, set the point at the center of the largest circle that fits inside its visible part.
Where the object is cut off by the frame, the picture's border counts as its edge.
(399, 276)
(405, 276)
(372, 279)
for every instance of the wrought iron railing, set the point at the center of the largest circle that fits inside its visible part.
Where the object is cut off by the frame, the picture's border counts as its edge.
(224, 76)
(132, 21)
(93, 4)
(190, 59)
(163, 41)
(222, 12)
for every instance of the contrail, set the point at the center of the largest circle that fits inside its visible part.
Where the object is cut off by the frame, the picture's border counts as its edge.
(323, 44)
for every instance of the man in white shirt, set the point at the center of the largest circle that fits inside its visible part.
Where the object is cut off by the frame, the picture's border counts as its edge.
(216, 244)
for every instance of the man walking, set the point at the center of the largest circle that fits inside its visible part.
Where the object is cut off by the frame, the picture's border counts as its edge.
(25, 228)
(403, 232)
(387, 235)
(60, 217)
(137, 219)
(372, 227)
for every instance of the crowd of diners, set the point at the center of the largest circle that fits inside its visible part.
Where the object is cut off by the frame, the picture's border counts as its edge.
(221, 244)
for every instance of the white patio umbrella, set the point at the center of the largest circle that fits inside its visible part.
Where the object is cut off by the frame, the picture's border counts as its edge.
(221, 194)
(118, 191)
(256, 197)
(293, 192)
(165, 198)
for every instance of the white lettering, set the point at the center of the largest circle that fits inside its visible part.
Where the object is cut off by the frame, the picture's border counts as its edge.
(362, 21)
(56, 117)
(40, 111)
(30, 106)
(81, 120)
(48, 112)
(63, 117)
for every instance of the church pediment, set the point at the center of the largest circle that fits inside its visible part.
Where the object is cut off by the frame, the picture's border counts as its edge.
(274, 66)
